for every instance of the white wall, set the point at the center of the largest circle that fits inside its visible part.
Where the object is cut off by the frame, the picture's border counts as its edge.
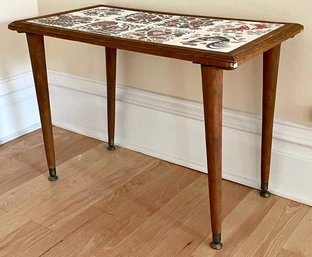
(13, 50)
(18, 111)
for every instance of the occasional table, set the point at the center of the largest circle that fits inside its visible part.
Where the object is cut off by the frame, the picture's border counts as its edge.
(216, 44)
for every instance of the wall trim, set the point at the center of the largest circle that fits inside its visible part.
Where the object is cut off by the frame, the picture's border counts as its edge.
(18, 108)
(19, 133)
(179, 127)
(285, 131)
(15, 83)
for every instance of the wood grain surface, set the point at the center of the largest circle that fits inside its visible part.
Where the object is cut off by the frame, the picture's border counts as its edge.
(212, 84)
(270, 75)
(111, 63)
(24, 158)
(126, 204)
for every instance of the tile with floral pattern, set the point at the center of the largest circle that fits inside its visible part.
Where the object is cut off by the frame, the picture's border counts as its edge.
(144, 18)
(154, 34)
(109, 27)
(242, 27)
(65, 21)
(225, 35)
(186, 22)
(210, 41)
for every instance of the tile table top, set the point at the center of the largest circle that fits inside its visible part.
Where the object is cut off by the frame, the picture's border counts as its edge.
(214, 34)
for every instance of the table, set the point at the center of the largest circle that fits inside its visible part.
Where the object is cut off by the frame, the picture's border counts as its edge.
(216, 44)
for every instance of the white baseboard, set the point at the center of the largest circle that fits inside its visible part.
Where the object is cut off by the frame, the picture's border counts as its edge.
(18, 107)
(172, 129)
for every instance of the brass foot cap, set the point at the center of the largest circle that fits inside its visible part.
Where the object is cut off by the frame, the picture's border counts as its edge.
(265, 193)
(53, 178)
(216, 246)
(111, 148)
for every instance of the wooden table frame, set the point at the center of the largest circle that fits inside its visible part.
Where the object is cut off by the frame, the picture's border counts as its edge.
(212, 66)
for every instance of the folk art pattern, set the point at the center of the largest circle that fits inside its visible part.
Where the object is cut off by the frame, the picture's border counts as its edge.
(221, 35)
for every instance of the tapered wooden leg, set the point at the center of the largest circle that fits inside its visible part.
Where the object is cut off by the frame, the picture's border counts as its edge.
(270, 73)
(38, 62)
(212, 80)
(111, 94)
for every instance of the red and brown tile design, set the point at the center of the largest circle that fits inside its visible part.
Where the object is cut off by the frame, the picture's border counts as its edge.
(144, 18)
(209, 41)
(65, 21)
(225, 35)
(109, 27)
(155, 34)
(186, 22)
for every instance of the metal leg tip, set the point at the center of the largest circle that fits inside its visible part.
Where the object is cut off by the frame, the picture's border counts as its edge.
(52, 176)
(265, 193)
(111, 148)
(111, 145)
(216, 246)
(264, 190)
(216, 242)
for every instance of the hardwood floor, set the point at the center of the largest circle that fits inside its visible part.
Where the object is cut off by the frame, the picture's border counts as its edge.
(126, 204)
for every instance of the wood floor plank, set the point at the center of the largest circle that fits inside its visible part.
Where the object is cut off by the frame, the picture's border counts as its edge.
(24, 159)
(22, 238)
(301, 238)
(239, 224)
(14, 172)
(127, 208)
(20, 145)
(182, 242)
(287, 253)
(273, 230)
(9, 223)
(152, 188)
(142, 240)
(90, 185)
(174, 216)
(32, 189)
(68, 197)
(55, 237)
(283, 228)
(68, 145)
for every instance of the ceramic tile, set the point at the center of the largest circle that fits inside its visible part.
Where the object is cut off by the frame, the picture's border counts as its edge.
(109, 27)
(186, 22)
(155, 34)
(224, 35)
(65, 21)
(144, 18)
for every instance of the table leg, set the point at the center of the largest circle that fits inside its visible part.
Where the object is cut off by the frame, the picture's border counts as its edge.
(270, 72)
(38, 63)
(212, 80)
(111, 94)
